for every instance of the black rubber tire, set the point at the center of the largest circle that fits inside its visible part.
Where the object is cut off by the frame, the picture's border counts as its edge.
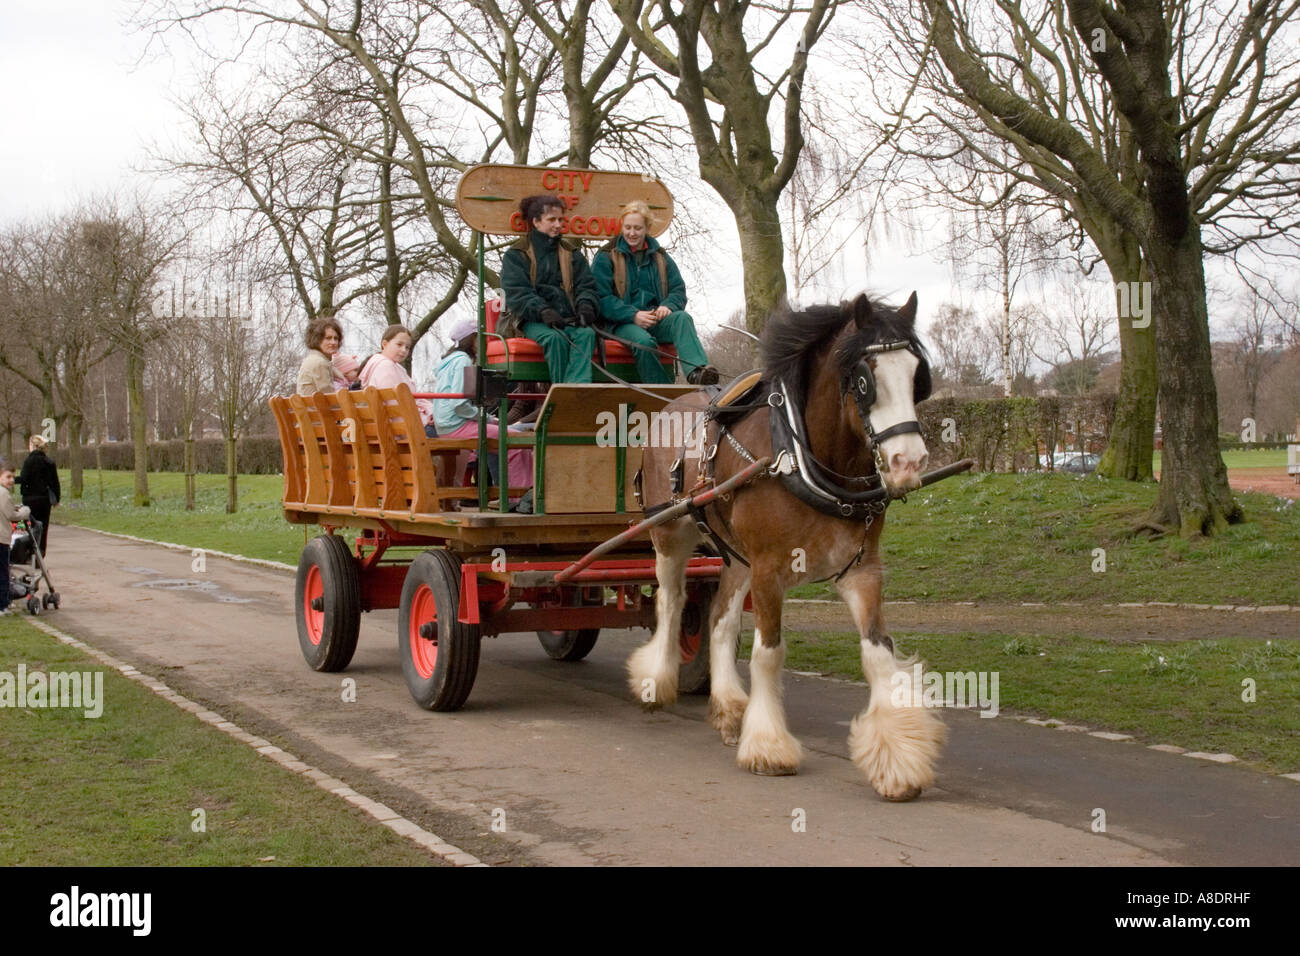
(571, 645)
(693, 675)
(54, 599)
(336, 632)
(47, 600)
(33, 605)
(447, 680)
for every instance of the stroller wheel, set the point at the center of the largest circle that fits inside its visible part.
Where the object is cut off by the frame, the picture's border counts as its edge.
(54, 599)
(33, 604)
(47, 599)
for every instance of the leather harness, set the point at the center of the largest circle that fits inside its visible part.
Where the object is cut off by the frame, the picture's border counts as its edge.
(794, 464)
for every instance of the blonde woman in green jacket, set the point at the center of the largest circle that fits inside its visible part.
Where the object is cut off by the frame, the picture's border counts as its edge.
(643, 298)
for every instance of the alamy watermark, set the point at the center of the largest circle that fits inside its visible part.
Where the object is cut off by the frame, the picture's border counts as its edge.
(632, 428)
(76, 909)
(79, 690)
(952, 689)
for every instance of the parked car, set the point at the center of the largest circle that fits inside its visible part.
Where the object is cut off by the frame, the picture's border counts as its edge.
(1079, 463)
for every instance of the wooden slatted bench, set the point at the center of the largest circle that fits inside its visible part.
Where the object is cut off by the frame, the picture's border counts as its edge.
(365, 454)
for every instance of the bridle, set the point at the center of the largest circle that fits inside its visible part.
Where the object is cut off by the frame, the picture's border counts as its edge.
(861, 382)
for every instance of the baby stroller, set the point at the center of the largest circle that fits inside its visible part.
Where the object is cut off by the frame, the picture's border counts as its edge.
(27, 570)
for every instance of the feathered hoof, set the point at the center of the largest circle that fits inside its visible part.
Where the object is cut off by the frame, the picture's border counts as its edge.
(652, 690)
(911, 793)
(727, 717)
(770, 756)
(896, 749)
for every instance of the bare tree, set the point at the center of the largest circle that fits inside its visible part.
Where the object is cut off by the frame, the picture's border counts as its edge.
(248, 349)
(184, 351)
(123, 250)
(1256, 340)
(1197, 92)
(963, 356)
(49, 298)
(729, 100)
(1073, 333)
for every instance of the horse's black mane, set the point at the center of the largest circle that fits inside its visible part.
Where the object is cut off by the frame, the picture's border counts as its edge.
(791, 340)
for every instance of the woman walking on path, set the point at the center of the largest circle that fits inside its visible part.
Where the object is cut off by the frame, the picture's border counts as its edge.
(40, 481)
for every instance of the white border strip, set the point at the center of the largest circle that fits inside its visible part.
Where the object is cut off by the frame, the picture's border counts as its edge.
(386, 815)
(243, 559)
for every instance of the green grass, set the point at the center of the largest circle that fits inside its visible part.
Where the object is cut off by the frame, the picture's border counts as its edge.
(120, 789)
(257, 529)
(1247, 458)
(985, 537)
(1186, 693)
(1031, 537)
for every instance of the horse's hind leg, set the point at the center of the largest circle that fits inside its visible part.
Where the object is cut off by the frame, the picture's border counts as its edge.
(652, 668)
(894, 744)
(766, 744)
(727, 697)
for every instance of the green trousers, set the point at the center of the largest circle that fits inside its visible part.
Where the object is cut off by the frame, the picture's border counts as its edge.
(676, 329)
(568, 350)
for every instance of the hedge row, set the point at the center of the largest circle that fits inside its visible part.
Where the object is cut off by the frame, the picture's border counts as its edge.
(255, 455)
(1009, 434)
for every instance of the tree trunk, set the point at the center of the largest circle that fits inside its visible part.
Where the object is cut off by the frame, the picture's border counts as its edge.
(189, 470)
(1132, 435)
(232, 480)
(74, 454)
(1194, 495)
(762, 256)
(135, 398)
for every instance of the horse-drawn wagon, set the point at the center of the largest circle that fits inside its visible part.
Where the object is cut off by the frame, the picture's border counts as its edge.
(450, 556)
(797, 463)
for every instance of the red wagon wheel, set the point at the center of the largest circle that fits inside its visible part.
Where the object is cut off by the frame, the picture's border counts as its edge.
(693, 675)
(327, 598)
(439, 654)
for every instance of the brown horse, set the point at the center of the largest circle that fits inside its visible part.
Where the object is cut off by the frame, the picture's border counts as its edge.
(821, 368)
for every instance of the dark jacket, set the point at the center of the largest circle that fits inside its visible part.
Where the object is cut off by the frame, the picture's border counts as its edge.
(642, 290)
(39, 477)
(526, 299)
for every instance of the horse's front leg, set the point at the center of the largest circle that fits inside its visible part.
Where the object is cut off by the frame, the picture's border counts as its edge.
(894, 742)
(652, 669)
(766, 745)
(727, 697)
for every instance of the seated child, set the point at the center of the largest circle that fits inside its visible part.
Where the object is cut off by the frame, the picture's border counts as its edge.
(458, 417)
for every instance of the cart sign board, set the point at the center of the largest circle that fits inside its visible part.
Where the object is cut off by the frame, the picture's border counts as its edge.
(488, 198)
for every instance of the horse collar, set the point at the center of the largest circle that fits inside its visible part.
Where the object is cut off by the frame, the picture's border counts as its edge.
(807, 478)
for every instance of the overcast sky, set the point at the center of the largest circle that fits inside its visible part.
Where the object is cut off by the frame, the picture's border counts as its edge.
(81, 106)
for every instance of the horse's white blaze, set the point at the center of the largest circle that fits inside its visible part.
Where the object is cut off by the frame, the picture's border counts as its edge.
(727, 697)
(652, 668)
(766, 744)
(905, 455)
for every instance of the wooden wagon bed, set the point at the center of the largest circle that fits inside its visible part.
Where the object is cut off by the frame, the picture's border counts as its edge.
(361, 459)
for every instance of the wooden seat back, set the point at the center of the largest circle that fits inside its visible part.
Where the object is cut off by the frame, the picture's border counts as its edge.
(359, 452)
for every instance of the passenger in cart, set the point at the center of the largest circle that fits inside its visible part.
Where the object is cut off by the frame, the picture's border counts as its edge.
(458, 417)
(643, 298)
(550, 295)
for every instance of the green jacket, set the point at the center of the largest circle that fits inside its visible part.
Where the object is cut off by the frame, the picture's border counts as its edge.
(642, 290)
(526, 298)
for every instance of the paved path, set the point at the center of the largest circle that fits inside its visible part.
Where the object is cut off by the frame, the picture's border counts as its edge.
(580, 775)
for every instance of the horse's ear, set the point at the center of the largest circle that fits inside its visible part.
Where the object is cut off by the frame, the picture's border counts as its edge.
(860, 309)
(908, 311)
